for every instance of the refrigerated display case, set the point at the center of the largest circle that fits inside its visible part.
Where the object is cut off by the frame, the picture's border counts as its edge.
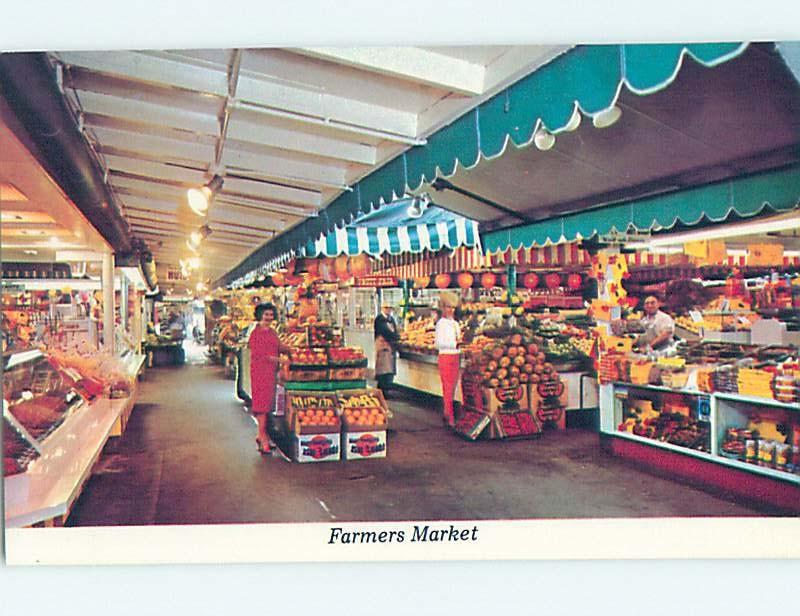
(57, 422)
(746, 445)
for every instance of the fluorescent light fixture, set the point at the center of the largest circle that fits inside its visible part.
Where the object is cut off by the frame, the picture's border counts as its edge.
(736, 230)
(607, 118)
(200, 198)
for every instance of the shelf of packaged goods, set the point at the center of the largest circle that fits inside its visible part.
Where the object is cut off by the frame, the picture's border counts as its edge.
(703, 455)
(45, 492)
(717, 394)
(660, 388)
(757, 401)
(671, 447)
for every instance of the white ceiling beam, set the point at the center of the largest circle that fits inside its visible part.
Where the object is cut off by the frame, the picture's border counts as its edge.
(144, 229)
(152, 169)
(143, 66)
(298, 141)
(217, 225)
(518, 61)
(152, 147)
(505, 70)
(141, 111)
(408, 63)
(316, 174)
(229, 214)
(257, 190)
(258, 89)
(218, 231)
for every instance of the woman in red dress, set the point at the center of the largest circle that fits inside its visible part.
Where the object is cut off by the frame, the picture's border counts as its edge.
(265, 348)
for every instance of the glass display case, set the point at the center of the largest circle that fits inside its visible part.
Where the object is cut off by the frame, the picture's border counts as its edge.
(758, 435)
(37, 398)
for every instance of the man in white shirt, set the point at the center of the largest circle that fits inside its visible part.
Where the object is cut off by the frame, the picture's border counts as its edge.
(659, 327)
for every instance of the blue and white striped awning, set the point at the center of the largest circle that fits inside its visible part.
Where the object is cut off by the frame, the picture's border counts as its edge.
(436, 229)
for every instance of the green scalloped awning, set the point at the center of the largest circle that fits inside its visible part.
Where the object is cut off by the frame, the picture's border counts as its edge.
(589, 77)
(777, 191)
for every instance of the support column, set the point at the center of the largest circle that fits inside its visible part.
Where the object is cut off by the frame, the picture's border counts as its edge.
(136, 329)
(108, 301)
(123, 300)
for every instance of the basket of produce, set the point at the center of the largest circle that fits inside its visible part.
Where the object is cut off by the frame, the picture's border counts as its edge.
(307, 358)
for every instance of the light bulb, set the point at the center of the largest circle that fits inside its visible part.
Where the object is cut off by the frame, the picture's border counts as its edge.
(606, 118)
(544, 140)
(199, 198)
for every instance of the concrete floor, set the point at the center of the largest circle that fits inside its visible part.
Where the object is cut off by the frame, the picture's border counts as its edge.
(189, 457)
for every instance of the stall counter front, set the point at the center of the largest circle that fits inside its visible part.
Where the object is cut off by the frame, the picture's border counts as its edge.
(45, 493)
(729, 441)
(421, 372)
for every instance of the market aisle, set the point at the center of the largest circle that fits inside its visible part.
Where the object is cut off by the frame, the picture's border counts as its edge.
(189, 457)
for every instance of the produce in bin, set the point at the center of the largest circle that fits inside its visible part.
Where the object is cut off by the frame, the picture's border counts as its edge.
(511, 361)
(321, 335)
(365, 408)
(308, 357)
(312, 412)
(347, 356)
(311, 421)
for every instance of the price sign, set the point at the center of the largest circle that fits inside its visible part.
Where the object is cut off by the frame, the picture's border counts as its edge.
(376, 281)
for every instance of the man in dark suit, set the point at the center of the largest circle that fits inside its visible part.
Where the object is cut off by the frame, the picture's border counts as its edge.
(386, 338)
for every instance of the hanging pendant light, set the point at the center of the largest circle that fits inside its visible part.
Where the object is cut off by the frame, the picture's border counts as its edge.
(200, 198)
(196, 237)
(544, 139)
(607, 118)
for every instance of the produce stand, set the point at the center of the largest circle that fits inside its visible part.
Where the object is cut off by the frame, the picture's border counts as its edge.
(164, 353)
(509, 390)
(420, 372)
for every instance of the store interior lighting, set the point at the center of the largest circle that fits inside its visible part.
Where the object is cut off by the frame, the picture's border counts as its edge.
(196, 237)
(418, 206)
(791, 223)
(607, 118)
(200, 198)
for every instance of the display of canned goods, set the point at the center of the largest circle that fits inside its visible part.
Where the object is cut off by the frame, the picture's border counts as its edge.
(766, 453)
(783, 456)
(751, 450)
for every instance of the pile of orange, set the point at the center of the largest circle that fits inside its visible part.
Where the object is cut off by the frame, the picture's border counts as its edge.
(317, 417)
(365, 417)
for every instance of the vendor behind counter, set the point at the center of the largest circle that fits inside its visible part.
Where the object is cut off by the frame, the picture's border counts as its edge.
(656, 329)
